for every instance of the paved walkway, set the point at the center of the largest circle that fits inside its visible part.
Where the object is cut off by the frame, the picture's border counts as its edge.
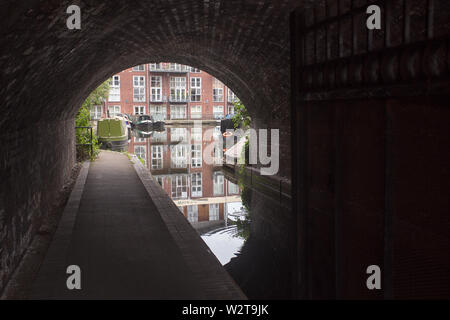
(112, 229)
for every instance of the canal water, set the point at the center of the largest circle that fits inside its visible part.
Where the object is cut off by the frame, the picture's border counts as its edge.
(176, 157)
(247, 231)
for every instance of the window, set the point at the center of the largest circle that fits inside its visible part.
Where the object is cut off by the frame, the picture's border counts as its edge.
(113, 111)
(178, 156)
(157, 157)
(192, 213)
(160, 180)
(231, 97)
(218, 184)
(196, 134)
(178, 134)
(196, 112)
(139, 68)
(158, 112)
(217, 91)
(179, 186)
(231, 109)
(233, 188)
(196, 184)
(155, 66)
(155, 89)
(139, 139)
(139, 109)
(159, 136)
(214, 211)
(195, 70)
(114, 89)
(96, 112)
(176, 67)
(218, 112)
(138, 88)
(141, 152)
(178, 89)
(177, 112)
(196, 89)
(196, 156)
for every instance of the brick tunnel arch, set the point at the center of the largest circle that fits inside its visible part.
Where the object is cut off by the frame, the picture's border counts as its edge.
(49, 70)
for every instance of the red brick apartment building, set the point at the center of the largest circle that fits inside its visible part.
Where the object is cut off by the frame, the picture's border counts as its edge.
(176, 160)
(167, 91)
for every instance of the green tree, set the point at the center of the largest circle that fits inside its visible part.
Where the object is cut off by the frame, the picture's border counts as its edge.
(241, 118)
(83, 118)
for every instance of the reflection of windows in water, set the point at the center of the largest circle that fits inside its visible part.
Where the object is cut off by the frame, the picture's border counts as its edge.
(158, 112)
(196, 134)
(160, 180)
(192, 213)
(196, 183)
(178, 156)
(218, 184)
(157, 157)
(217, 134)
(196, 156)
(214, 211)
(178, 134)
(139, 139)
(159, 136)
(179, 186)
(218, 152)
(140, 151)
(233, 188)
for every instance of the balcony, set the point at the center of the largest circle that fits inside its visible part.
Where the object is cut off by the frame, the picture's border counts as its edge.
(161, 67)
(178, 99)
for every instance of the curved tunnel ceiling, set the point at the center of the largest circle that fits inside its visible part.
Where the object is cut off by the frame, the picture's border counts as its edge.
(49, 70)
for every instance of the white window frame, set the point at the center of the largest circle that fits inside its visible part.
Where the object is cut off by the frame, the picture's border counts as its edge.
(178, 111)
(196, 184)
(142, 153)
(192, 213)
(140, 67)
(231, 96)
(218, 184)
(158, 112)
(96, 112)
(138, 88)
(116, 110)
(196, 112)
(178, 156)
(141, 110)
(157, 154)
(218, 112)
(114, 89)
(233, 188)
(159, 137)
(156, 88)
(179, 186)
(214, 212)
(196, 155)
(194, 70)
(178, 89)
(178, 134)
(196, 89)
(196, 134)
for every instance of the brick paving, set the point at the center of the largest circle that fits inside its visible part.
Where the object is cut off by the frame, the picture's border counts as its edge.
(130, 241)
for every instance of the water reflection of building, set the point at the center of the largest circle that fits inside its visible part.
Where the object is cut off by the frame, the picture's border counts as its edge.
(177, 160)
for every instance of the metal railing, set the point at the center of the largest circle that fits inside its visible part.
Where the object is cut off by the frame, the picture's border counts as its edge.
(87, 144)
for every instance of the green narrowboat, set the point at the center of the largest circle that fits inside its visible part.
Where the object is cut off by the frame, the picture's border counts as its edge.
(112, 133)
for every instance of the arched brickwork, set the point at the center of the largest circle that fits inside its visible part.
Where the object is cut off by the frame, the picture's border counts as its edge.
(48, 70)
